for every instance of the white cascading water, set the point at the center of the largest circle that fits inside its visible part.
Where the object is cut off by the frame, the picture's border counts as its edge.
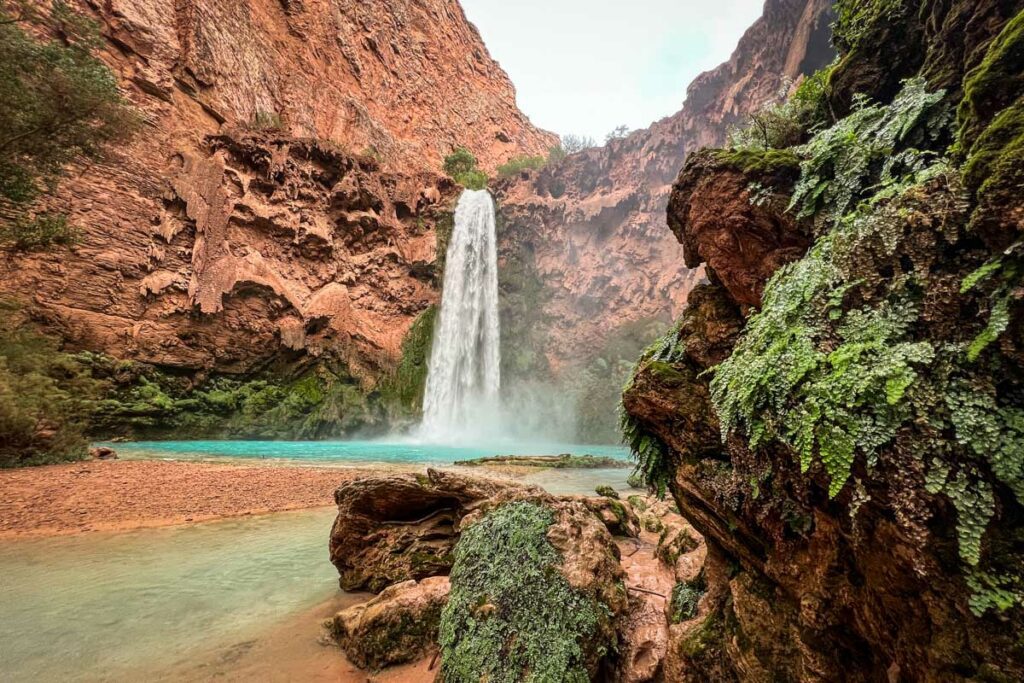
(461, 402)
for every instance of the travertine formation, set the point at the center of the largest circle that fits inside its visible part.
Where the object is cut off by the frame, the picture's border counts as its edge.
(594, 223)
(283, 195)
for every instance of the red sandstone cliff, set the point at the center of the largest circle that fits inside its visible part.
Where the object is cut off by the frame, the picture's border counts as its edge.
(208, 245)
(595, 223)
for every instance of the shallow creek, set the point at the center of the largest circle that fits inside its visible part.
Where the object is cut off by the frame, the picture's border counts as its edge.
(233, 600)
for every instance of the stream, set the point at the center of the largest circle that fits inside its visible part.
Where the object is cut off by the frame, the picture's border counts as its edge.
(155, 604)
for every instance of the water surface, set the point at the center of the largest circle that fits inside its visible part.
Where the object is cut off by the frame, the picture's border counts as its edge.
(96, 607)
(354, 452)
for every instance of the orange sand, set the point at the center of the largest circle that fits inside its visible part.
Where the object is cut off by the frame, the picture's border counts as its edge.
(119, 495)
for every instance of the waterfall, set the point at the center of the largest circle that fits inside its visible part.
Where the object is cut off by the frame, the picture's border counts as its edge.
(461, 402)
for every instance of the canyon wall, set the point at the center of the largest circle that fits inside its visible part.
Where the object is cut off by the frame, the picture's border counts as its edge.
(840, 408)
(591, 229)
(281, 201)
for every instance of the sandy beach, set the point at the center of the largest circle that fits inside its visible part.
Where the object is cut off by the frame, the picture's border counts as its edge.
(119, 495)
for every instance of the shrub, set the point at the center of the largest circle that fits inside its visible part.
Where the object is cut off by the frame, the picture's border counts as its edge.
(46, 396)
(38, 233)
(618, 133)
(556, 155)
(58, 102)
(577, 143)
(517, 165)
(512, 616)
(266, 120)
(460, 165)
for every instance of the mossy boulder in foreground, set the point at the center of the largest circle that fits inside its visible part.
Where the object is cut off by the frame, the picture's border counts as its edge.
(535, 588)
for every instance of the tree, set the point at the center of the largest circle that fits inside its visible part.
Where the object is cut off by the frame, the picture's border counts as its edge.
(458, 162)
(461, 166)
(58, 102)
(577, 143)
(617, 134)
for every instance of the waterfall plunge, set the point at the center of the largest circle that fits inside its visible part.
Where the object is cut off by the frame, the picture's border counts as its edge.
(464, 380)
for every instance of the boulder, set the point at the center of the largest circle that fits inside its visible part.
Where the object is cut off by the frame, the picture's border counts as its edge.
(395, 627)
(102, 453)
(395, 528)
(536, 591)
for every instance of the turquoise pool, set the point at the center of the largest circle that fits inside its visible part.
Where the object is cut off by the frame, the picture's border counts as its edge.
(353, 452)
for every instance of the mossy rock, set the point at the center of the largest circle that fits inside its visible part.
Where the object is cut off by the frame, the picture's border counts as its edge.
(512, 615)
(993, 85)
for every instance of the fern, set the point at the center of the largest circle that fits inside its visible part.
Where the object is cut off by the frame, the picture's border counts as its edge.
(874, 148)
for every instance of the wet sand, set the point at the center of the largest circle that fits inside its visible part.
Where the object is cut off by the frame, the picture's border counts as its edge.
(294, 650)
(120, 495)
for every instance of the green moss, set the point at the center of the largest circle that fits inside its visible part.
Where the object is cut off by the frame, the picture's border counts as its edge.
(607, 491)
(443, 228)
(995, 84)
(143, 402)
(511, 615)
(517, 165)
(704, 640)
(685, 598)
(995, 163)
(403, 390)
(637, 502)
(761, 162)
(856, 21)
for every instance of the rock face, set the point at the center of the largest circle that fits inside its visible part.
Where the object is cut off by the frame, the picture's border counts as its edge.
(875, 577)
(593, 225)
(405, 527)
(283, 196)
(396, 627)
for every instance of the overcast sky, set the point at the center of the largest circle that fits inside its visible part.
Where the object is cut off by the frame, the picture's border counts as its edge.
(587, 66)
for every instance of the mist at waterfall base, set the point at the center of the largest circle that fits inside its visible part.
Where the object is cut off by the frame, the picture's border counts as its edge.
(464, 402)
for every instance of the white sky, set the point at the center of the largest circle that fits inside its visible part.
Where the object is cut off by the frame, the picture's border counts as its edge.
(587, 66)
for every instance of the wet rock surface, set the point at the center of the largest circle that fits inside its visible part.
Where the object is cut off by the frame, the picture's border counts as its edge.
(404, 527)
(397, 626)
(867, 584)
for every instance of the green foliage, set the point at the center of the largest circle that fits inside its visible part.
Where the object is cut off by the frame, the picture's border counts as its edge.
(618, 133)
(461, 166)
(653, 467)
(1009, 267)
(405, 386)
(826, 382)
(635, 480)
(46, 396)
(873, 148)
(596, 382)
(577, 143)
(856, 18)
(517, 165)
(512, 616)
(58, 102)
(685, 598)
(784, 123)
(556, 155)
(995, 84)
(41, 232)
(994, 592)
(266, 120)
(144, 402)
